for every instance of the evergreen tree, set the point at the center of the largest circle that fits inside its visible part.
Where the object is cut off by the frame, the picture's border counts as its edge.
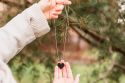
(99, 22)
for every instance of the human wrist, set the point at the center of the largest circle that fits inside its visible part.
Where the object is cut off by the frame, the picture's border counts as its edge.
(43, 7)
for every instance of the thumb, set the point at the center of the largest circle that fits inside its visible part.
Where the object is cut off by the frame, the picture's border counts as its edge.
(77, 78)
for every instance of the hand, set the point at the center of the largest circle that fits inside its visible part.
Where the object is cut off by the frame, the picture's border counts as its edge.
(53, 8)
(64, 75)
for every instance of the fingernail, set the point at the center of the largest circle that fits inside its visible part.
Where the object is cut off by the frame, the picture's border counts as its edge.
(56, 67)
(69, 2)
(62, 61)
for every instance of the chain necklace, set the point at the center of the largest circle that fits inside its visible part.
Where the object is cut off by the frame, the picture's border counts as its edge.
(61, 56)
(57, 54)
(66, 30)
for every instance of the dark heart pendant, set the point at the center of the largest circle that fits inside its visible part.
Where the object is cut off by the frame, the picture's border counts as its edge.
(60, 65)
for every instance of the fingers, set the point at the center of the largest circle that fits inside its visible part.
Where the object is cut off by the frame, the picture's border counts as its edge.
(60, 73)
(56, 72)
(57, 11)
(77, 79)
(54, 16)
(69, 71)
(60, 1)
(59, 7)
(65, 2)
(64, 72)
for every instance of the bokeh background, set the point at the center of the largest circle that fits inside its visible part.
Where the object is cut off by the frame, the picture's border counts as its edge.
(90, 34)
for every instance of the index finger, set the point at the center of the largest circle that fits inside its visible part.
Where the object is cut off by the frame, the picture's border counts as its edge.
(56, 72)
(69, 71)
(65, 2)
(60, 1)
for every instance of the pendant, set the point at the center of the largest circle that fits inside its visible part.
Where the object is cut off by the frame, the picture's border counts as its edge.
(60, 65)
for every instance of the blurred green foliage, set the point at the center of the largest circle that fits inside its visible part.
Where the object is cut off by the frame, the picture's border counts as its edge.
(98, 20)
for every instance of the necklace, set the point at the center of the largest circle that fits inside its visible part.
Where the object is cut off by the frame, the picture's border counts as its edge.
(57, 54)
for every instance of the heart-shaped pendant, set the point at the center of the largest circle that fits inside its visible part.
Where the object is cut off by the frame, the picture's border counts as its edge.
(60, 65)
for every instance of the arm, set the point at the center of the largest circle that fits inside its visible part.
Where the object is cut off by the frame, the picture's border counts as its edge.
(27, 26)
(22, 30)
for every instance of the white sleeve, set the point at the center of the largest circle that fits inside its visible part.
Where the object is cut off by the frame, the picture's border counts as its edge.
(22, 30)
(5, 74)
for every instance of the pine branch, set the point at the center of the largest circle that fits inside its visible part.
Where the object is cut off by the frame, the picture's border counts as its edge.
(81, 30)
(11, 3)
(107, 73)
(120, 66)
(84, 36)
